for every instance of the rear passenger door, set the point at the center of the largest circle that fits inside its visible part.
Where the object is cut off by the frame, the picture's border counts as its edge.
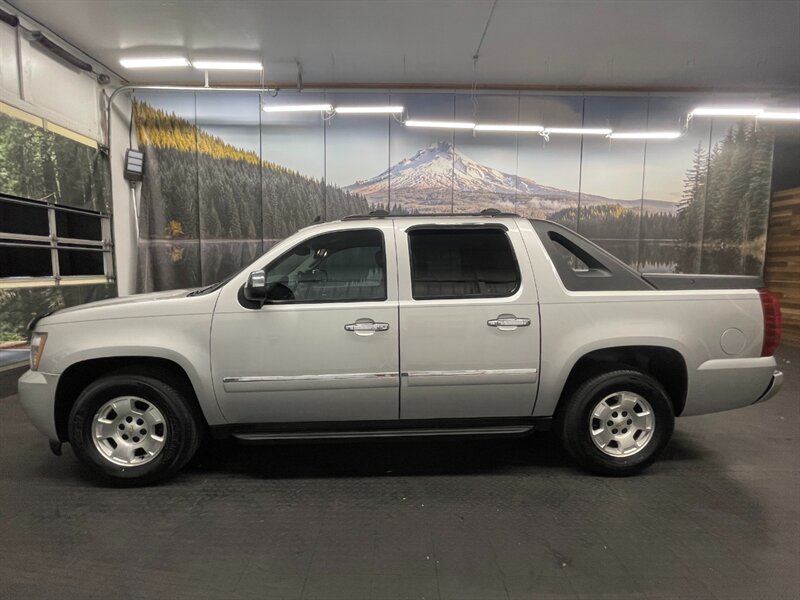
(469, 320)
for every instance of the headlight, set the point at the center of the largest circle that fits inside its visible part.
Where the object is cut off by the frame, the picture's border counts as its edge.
(37, 347)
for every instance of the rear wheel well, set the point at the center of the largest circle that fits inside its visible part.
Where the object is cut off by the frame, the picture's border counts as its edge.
(76, 377)
(665, 365)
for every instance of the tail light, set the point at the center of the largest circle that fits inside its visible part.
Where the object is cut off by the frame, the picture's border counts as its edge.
(773, 321)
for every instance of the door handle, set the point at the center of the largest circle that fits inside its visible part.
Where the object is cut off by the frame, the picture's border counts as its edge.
(363, 327)
(508, 321)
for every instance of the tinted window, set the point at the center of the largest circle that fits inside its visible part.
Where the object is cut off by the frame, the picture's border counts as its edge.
(566, 254)
(30, 261)
(30, 229)
(345, 266)
(19, 218)
(461, 263)
(582, 265)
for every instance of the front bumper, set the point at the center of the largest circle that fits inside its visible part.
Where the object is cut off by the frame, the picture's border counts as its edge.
(37, 394)
(773, 387)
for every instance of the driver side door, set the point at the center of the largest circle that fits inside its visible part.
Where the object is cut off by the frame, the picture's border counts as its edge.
(325, 345)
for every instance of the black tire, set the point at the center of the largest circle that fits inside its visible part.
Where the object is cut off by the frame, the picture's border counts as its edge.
(574, 417)
(183, 426)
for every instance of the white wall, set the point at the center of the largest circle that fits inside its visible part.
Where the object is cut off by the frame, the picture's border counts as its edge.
(125, 233)
(32, 80)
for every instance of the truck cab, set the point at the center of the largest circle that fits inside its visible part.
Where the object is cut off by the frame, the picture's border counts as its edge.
(344, 331)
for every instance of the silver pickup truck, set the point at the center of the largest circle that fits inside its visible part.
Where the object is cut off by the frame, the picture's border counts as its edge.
(383, 326)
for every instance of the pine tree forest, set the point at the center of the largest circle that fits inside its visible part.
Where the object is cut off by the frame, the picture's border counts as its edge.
(213, 207)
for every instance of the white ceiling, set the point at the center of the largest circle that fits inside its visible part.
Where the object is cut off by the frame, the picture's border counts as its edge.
(730, 44)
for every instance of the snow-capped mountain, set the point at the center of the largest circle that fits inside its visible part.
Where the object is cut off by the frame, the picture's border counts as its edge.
(427, 177)
(442, 166)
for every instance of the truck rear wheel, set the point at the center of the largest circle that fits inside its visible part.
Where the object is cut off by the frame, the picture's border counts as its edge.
(132, 429)
(616, 423)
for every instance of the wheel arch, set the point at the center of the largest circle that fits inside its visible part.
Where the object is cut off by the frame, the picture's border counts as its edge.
(77, 376)
(665, 364)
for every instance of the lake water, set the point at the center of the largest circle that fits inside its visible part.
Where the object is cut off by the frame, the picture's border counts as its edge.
(657, 256)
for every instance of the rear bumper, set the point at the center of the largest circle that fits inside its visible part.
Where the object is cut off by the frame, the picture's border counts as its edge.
(773, 388)
(37, 393)
(724, 384)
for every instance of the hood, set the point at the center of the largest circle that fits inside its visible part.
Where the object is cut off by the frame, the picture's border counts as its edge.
(155, 304)
(125, 300)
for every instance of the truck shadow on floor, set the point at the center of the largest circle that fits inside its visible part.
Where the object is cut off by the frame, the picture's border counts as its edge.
(539, 452)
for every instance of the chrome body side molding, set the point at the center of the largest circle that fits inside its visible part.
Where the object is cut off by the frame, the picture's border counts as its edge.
(323, 377)
(255, 383)
(470, 377)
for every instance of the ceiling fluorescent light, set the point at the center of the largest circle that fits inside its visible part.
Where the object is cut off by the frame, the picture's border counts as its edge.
(299, 108)
(578, 130)
(645, 135)
(368, 110)
(726, 111)
(225, 65)
(154, 63)
(498, 127)
(780, 116)
(441, 124)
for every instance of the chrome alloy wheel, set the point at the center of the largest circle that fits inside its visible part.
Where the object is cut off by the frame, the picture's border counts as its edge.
(129, 431)
(621, 424)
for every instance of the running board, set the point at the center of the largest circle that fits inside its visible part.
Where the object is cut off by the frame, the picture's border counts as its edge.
(394, 428)
(395, 433)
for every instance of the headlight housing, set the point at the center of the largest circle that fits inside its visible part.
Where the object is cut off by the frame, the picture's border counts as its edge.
(37, 347)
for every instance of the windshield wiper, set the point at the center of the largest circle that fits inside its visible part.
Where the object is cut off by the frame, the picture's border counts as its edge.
(211, 288)
(207, 289)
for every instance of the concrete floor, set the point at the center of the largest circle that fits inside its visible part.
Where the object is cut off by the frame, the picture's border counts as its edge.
(718, 517)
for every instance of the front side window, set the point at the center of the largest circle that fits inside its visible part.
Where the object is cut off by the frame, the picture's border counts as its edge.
(344, 266)
(461, 263)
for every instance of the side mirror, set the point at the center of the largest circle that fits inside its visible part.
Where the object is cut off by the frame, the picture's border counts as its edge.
(255, 289)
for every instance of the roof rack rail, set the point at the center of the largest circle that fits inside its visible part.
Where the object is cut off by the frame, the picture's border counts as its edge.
(382, 214)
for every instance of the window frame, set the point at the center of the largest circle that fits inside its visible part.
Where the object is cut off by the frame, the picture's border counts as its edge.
(55, 244)
(290, 251)
(461, 226)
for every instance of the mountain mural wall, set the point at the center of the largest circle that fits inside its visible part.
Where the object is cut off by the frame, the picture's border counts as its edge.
(222, 185)
(414, 182)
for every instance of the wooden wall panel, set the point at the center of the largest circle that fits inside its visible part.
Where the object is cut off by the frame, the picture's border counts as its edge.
(782, 265)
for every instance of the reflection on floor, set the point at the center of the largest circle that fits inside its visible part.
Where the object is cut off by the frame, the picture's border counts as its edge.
(718, 517)
(13, 356)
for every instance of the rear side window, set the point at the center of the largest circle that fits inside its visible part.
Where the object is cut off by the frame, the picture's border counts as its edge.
(583, 266)
(461, 263)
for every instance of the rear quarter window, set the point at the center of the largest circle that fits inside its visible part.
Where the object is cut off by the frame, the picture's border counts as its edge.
(583, 266)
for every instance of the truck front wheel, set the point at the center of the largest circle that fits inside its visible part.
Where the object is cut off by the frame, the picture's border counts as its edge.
(616, 423)
(133, 429)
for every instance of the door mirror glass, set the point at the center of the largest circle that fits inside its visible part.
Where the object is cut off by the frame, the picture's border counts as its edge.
(255, 289)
